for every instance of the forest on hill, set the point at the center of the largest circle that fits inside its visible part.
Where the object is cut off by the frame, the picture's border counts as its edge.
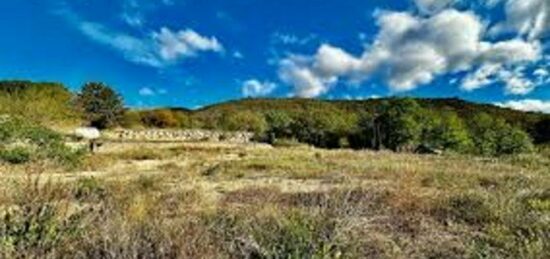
(400, 124)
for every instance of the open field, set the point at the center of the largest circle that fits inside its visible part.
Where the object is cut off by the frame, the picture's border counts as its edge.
(215, 200)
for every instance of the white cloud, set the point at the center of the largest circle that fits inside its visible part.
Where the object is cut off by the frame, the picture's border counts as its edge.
(484, 76)
(541, 72)
(306, 82)
(146, 91)
(431, 6)
(255, 88)
(514, 80)
(410, 51)
(134, 49)
(527, 105)
(158, 49)
(238, 55)
(291, 39)
(181, 44)
(512, 51)
(134, 20)
(528, 17)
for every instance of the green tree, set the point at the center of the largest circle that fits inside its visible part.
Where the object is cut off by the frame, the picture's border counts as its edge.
(484, 136)
(494, 136)
(101, 105)
(513, 140)
(397, 125)
(278, 125)
(445, 131)
(244, 121)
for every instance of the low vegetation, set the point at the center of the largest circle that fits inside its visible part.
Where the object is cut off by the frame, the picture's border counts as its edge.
(22, 141)
(238, 201)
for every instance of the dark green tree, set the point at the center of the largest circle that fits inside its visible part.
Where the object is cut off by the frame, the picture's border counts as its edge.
(542, 131)
(101, 105)
(398, 124)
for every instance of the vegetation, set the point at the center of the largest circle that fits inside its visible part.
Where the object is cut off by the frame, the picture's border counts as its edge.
(46, 103)
(235, 201)
(396, 124)
(101, 105)
(22, 141)
(486, 196)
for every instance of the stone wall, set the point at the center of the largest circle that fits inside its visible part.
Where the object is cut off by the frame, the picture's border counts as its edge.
(177, 135)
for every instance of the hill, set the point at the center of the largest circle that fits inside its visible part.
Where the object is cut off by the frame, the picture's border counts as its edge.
(464, 108)
(46, 103)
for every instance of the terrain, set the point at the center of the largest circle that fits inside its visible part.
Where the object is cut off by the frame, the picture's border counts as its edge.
(281, 197)
(223, 200)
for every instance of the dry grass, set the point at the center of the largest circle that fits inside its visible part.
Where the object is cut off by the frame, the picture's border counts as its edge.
(237, 201)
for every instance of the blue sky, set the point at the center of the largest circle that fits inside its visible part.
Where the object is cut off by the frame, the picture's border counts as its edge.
(193, 53)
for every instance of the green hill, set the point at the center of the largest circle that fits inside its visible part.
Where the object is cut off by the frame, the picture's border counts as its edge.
(46, 103)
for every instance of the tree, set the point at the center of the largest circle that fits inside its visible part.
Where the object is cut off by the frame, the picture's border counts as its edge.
(101, 105)
(160, 119)
(278, 125)
(397, 125)
(244, 121)
(445, 131)
(514, 141)
(494, 136)
(542, 131)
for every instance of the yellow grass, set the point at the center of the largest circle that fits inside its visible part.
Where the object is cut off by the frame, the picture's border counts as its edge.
(207, 200)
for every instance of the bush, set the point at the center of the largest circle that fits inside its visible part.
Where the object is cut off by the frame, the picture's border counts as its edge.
(470, 207)
(18, 155)
(41, 143)
(160, 119)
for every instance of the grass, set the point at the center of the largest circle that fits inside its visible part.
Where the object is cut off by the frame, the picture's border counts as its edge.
(221, 201)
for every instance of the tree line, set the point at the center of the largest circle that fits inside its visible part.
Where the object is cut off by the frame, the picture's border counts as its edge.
(398, 124)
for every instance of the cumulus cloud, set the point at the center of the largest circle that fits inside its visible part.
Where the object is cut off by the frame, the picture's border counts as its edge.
(185, 43)
(527, 105)
(255, 88)
(157, 49)
(410, 51)
(514, 80)
(528, 17)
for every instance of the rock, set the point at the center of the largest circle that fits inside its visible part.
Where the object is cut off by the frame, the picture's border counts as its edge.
(427, 150)
(87, 133)
(180, 135)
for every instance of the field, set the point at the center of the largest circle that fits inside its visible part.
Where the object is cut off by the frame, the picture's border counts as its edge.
(220, 200)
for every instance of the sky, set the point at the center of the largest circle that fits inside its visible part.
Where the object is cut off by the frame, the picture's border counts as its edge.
(192, 53)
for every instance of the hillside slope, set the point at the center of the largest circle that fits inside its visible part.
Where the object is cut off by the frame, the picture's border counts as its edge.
(46, 103)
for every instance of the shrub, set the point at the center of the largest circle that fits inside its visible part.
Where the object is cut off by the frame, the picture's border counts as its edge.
(160, 119)
(131, 119)
(18, 155)
(41, 143)
(468, 207)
